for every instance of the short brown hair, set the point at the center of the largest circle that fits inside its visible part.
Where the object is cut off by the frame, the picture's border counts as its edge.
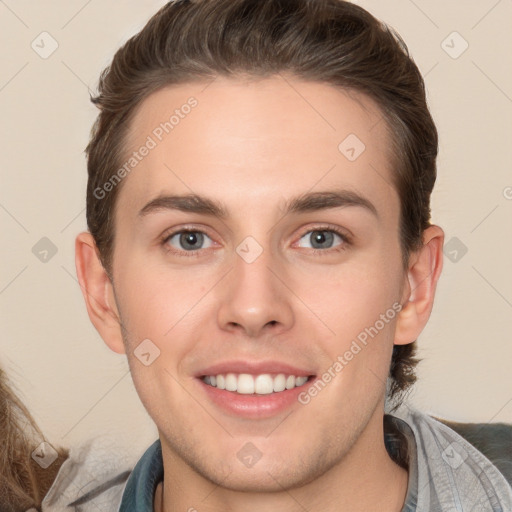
(329, 41)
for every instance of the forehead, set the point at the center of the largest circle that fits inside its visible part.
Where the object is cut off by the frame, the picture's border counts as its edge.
(240, 140)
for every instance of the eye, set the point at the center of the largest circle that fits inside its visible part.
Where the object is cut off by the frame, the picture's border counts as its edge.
(321, 239)
(189, 240)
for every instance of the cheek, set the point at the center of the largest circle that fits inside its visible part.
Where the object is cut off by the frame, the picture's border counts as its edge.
(349, 298)
(155, 310)
(154, 299)
(359, 306)
(159, 388)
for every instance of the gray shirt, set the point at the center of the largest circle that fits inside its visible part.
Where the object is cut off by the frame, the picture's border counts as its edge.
(446, 473)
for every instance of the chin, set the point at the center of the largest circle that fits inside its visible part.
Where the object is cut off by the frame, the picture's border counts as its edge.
(265, 476)
(262, 480)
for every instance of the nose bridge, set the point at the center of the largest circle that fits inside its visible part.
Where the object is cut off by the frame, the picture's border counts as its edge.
(253, 298)
(252, 272)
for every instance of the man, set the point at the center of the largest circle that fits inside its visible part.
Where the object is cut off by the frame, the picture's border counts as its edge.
(259, 246)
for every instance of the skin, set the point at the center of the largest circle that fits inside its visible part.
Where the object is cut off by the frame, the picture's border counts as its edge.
(253, 146)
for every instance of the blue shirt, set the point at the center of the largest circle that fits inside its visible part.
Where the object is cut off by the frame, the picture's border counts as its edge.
(141, 486)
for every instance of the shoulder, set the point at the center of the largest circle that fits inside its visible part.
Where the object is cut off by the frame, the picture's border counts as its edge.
(494, 440)
(447, 469)
(93, 478)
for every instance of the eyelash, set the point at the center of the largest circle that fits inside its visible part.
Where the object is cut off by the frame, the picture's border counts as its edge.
(346, 241)
(185, 254)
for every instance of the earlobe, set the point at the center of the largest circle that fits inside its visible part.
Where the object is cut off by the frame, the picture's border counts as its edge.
(425, 267)
(98, 292)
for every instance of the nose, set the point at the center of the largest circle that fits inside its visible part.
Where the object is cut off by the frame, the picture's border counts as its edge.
(254, 299)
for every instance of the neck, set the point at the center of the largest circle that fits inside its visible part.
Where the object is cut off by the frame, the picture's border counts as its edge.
(366, 478)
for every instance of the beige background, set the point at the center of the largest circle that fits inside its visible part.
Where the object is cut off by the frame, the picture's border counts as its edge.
(74, 385)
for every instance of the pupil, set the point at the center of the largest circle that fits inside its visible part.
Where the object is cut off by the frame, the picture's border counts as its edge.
(190, 240)
(321, 237)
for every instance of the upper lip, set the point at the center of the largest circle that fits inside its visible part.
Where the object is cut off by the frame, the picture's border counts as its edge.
(254, 368)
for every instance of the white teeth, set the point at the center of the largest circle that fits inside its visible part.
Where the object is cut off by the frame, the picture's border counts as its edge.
(280, 382)
(221, 382)
(231, 382)
(247, 384)
(290, 382)
(263, 384)
(298, 381)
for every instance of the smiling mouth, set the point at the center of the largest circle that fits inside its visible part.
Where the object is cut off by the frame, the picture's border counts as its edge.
(262, 384)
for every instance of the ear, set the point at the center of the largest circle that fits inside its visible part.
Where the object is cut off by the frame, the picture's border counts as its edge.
(98, 292)
(425, 267)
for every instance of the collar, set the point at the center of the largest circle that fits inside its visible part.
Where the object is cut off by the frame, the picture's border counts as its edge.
(149, 472)
(141, 486)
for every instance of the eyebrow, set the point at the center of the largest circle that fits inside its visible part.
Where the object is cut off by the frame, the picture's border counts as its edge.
(308, 202)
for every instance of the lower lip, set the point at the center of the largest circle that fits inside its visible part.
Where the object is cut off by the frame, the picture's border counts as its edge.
(254, 406)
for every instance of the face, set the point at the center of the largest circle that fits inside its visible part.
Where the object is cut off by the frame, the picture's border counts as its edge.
(256, 240)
